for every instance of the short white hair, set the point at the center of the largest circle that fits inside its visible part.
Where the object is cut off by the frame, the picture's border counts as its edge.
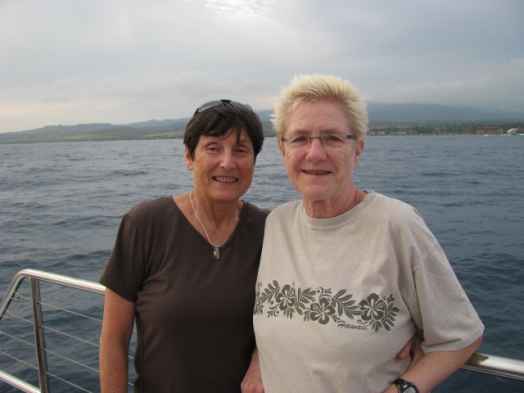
(315, 87)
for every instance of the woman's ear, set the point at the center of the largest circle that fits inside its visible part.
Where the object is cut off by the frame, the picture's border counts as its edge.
(359, 148)
(281, 146)
(188, 159)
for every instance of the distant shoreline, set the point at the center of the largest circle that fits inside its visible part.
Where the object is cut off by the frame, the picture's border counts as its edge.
(385, 119)
(175, 130)
(370, 134)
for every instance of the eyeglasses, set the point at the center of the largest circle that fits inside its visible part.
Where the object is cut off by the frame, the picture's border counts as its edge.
(223, 102)
(329, 140)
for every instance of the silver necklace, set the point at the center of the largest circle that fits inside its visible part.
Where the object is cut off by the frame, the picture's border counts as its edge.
(216, 247)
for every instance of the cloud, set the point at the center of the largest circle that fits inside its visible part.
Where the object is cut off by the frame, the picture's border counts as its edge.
(123, 61)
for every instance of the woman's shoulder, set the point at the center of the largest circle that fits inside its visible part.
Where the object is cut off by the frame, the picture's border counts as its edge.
(254, 214)
(395, 211)
(391, 212)
(285, 210)
(254, 209)
(152, 209)
(390, 205)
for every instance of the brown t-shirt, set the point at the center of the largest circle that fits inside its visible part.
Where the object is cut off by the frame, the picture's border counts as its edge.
(193, 312)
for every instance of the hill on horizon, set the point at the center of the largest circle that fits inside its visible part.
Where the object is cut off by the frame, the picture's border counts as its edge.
(413, 112)
(173, 128)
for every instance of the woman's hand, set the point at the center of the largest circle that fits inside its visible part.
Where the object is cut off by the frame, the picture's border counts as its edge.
(252, 382)
(411, 350)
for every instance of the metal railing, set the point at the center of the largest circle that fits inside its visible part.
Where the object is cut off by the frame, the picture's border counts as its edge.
(479, 362)
(36, 277)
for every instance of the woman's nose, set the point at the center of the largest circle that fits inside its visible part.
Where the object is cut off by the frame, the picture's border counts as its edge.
(227, 159)
(316, 149)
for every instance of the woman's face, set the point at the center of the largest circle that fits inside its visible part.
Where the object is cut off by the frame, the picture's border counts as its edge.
(321, 173)
(222, 166)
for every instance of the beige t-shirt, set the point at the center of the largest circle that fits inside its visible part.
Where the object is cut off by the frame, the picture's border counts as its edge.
(337, 298)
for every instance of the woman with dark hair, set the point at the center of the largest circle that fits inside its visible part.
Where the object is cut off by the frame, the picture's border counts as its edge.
(184, 268)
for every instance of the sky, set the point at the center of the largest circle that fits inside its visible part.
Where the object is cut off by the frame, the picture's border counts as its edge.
(121, 61)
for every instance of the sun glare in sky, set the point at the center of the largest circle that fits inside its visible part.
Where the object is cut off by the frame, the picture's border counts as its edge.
(243, 8)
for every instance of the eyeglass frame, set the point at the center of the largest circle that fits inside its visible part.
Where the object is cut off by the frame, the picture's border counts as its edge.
(321, 138)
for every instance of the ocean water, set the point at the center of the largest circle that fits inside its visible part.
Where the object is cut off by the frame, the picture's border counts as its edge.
(60, 205)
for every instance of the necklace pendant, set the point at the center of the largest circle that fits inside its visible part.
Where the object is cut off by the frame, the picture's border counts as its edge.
(216, 252)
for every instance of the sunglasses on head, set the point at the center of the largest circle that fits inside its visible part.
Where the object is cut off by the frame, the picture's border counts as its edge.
(221, 103)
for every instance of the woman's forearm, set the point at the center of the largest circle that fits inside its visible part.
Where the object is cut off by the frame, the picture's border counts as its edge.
(113, 371)
(434, 367)
(113, 366)
(117, 326)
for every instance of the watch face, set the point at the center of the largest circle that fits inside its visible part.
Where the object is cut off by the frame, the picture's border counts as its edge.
(405, 386)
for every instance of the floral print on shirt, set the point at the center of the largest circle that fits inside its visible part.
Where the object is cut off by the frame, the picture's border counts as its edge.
(321, 305)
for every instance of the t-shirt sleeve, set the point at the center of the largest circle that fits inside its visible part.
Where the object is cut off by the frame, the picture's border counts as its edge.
(124, 272)
(439, 305)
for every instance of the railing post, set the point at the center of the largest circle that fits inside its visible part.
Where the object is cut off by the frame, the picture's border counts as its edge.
(38, 326)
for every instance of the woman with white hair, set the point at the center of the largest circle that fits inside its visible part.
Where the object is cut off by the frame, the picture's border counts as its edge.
(347, 276)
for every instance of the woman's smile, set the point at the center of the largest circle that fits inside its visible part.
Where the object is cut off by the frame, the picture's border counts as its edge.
(316, 172)
(225, 179)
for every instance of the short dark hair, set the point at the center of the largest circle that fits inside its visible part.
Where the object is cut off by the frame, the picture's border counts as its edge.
(217, 118)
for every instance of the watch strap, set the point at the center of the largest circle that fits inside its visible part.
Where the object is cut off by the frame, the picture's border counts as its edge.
(404, 386)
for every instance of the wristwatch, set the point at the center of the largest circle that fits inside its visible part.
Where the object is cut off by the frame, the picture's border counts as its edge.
(404, 386)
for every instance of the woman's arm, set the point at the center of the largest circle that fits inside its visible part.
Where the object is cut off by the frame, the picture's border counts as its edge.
(434, 367)
(252, 382)
(117, 326)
